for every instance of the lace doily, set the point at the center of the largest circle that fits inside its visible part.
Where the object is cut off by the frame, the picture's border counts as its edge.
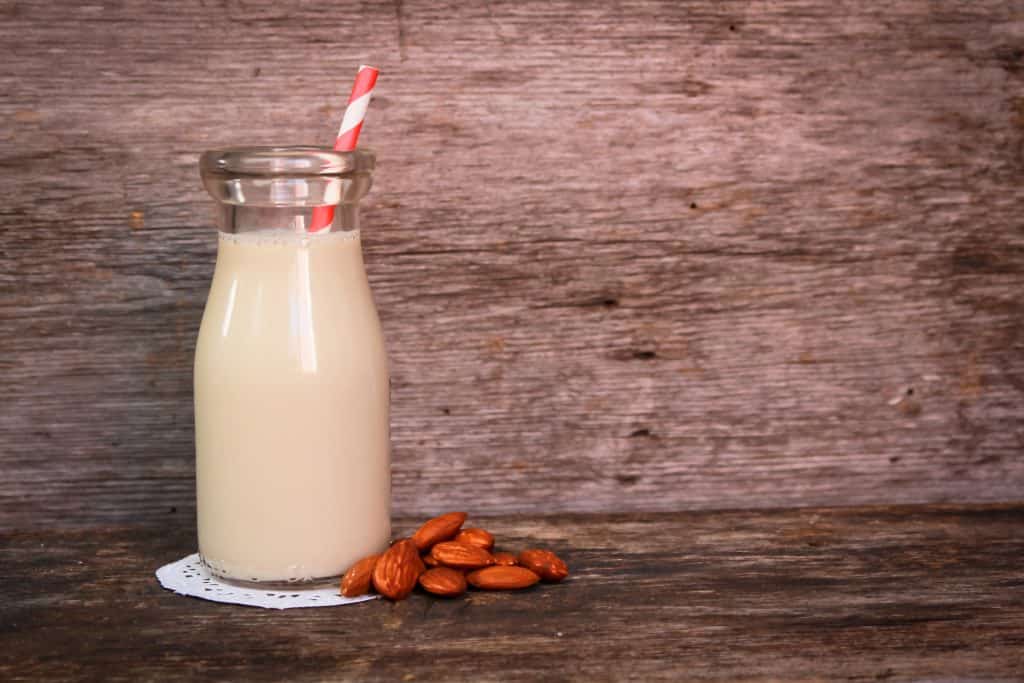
(189, 577)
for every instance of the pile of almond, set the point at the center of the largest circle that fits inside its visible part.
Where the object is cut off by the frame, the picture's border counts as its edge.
(442, 557)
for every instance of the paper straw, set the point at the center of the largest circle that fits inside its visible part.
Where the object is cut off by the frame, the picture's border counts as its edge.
(348, 133)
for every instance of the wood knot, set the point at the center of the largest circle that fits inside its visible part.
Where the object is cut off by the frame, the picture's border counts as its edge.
(137, 220)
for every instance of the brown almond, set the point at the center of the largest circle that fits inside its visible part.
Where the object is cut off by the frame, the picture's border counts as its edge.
(438, 529)
(421, 566)
(461, 555)
(502, 578)
(397, 570)
(505, 559)
(544, 564)
(478, 537)
(443, 581)
(357, 579)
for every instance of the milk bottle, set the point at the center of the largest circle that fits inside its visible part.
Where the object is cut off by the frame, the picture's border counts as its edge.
(291, 376)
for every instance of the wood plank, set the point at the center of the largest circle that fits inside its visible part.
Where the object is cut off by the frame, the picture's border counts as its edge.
(856, 594)
(658, 255)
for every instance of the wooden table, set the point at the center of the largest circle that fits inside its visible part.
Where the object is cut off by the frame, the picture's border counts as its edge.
(881, 593)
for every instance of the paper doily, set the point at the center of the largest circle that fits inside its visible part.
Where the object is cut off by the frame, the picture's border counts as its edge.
(188, 576)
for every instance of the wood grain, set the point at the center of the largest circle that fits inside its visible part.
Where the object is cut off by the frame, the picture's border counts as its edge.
(641, 256)
(895, 594)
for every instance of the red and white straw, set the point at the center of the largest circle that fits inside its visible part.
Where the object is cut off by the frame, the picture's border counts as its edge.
(358, 102)
(348, 133)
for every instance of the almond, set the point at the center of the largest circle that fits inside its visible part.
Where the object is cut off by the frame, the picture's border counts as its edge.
(438, 529)
(397, 570)
(357, 579)
(502, 578)
(544, 564)
(443, 581)
(477, 537)
(461, 555)
(505, 559)
(421, 566)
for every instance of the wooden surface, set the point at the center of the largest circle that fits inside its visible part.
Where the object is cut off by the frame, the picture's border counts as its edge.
(631, 256)
(856, 595)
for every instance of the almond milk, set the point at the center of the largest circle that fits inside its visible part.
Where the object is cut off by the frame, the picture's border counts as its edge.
(291, 399)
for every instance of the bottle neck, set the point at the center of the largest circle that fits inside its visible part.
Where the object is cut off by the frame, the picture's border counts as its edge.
(300, 189)
(242, 218)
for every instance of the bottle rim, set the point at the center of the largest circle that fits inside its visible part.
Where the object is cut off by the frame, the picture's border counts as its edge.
(287, 161)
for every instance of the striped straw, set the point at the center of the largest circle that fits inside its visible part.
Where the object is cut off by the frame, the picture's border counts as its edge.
(348, 133)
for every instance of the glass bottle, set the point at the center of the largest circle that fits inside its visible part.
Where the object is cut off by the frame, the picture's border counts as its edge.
(291, 375)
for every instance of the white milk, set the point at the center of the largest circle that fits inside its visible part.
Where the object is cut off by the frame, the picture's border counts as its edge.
(291, 394)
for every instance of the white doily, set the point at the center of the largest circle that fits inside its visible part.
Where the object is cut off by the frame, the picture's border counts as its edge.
(188, 576)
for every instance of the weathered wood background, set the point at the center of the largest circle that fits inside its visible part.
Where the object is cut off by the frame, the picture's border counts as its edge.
(629, 256)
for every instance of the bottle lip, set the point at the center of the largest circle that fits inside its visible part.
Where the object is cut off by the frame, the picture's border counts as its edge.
(290, 161)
